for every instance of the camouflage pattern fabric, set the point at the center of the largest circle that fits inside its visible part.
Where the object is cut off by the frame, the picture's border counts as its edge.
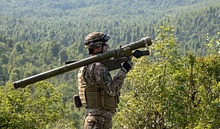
(98, 119)
(97, 74)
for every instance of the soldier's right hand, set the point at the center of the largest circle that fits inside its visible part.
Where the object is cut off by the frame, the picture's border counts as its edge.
(126, 66)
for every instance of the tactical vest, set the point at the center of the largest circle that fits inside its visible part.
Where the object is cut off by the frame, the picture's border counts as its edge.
(93, 96)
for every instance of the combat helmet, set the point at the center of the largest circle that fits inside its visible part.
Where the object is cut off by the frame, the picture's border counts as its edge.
(95, 40)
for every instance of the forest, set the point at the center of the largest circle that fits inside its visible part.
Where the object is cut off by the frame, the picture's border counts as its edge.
(177, 86)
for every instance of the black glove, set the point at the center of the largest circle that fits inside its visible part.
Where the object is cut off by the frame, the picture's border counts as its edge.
(126, 66)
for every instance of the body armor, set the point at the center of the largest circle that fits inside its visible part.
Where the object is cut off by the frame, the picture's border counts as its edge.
(93, 95)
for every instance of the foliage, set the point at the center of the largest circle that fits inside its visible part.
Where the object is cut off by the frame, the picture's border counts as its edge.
(171, 91)
(34, 107)
(36, 36)
(37, 45)
(193, 37)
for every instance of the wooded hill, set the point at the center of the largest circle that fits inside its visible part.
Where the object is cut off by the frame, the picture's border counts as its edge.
(57, 39)
(102, 9)
(36, 36)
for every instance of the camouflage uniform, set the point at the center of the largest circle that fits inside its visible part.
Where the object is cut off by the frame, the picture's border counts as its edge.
(97, 75)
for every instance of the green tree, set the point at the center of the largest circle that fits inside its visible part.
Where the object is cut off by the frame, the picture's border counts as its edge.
(35, 107)
(171, 91)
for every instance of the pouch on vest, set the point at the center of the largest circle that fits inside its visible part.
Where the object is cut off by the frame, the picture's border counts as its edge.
(77, 101)
(93, 97)
(109, 102)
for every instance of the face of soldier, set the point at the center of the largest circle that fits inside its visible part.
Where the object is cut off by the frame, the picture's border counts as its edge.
(101, 49)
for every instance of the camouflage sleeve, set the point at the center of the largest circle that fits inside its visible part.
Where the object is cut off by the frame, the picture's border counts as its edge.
(103, 78)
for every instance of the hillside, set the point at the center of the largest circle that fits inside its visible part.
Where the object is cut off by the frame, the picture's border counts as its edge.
(89, 9)
(37, 36)
(59, 37)
(69, 21)
(197, 29)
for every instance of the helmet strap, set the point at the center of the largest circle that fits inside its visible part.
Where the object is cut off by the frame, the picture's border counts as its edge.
(90, 51)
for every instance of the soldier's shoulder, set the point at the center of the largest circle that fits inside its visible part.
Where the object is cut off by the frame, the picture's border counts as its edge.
(81, 69)
(98, 65)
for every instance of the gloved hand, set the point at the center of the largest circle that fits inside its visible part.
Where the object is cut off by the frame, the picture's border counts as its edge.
(126, 66)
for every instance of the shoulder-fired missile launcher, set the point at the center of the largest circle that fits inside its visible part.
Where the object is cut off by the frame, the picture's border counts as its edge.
(111, 59)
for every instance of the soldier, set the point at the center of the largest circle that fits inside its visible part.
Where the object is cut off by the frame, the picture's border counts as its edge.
(98, 91)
